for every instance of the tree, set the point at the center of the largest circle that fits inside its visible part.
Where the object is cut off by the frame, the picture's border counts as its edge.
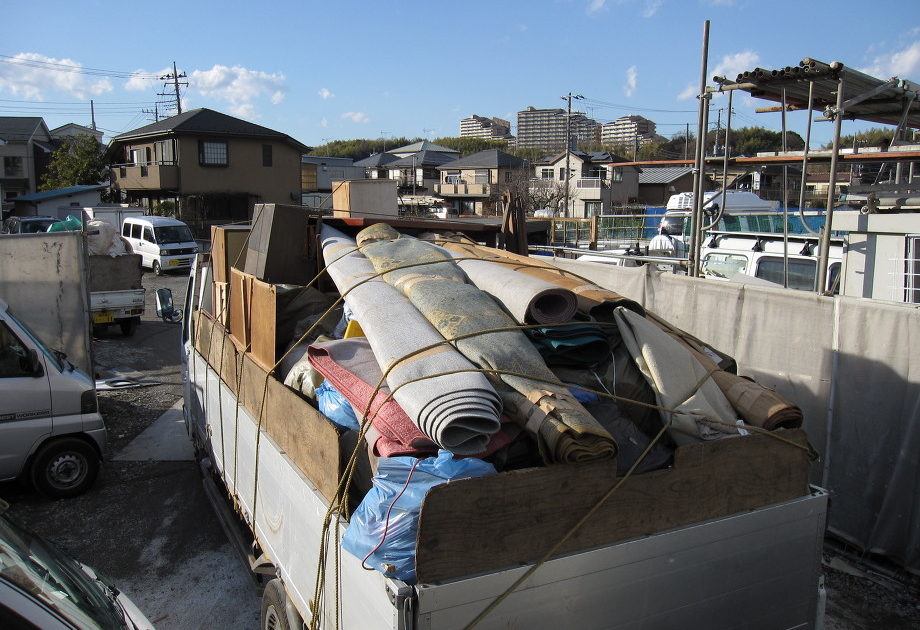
(750, 141)
(360, 148)
(875, 137)
(78, 161)
(467, 146)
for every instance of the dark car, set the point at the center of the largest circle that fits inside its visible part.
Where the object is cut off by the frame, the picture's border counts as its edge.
(27, 225)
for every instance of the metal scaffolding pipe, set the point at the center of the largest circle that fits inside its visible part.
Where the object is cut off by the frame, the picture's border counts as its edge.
(811, 87)
(699, 171)
(785, 200)
(825, 248)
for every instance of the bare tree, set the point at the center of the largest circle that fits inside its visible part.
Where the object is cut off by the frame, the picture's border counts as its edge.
(537, 194)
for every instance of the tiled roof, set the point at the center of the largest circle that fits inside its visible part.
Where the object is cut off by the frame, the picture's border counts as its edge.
(21, 128)
(424, 158)
(376, 160)
(423, 145)
(490, 158)
(59, 192)
(207, 121)
(663, 175)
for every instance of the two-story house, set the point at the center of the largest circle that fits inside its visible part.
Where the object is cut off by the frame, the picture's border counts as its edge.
(417, 173)
(595, 182)
(25, 152)
(212, 166)
(474, 184)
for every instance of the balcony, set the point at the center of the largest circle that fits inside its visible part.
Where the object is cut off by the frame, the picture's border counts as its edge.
(463, 190)
(151, 176)
(590, 182)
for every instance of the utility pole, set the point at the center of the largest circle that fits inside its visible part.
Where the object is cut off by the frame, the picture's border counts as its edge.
(155, 112)
(174, 78)
(383, 134)
(686, 140)
(92, 113)
(568, 146)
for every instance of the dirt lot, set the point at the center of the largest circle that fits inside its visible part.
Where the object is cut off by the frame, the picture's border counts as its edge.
(147, 524)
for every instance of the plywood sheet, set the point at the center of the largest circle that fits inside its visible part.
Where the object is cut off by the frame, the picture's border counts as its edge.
(263, 324)
(487, 523)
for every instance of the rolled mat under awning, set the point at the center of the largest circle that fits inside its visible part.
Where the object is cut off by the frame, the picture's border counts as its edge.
(564, 430)
(458, 411)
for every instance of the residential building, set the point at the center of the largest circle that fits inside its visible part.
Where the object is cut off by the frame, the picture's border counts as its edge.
(73, 129)
(214, 167)
(546, 129)
(423, 145)
(417, 173)
(656, 185)
(317, 172)
(375, 165)
(474, 184)
(482, 127)
(628, 131)
(56, 203)
(596, 183)
(25, 152)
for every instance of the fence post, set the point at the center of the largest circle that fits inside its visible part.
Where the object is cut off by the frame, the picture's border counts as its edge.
(592, 234)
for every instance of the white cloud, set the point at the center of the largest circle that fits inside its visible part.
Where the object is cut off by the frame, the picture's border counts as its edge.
(325, 94)
(594, 6)
(358, 117)
(721, 3)
(731, 66)
(238, 86)
(137, 83)
(903, 63)
(28, 76)
(324, 123)
(651, 8)
(688, 93)
(632, 74)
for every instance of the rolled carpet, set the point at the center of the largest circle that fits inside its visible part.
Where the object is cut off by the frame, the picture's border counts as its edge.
(528, 299)
(592, 299)
(680, 381)
(458, 411)
(564, 430)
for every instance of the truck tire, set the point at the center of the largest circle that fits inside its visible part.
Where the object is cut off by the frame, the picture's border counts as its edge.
(129, 325)
(64, 468)
(274, 615)
(156, 268)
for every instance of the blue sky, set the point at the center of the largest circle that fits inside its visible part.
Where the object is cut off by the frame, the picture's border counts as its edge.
(337, 70)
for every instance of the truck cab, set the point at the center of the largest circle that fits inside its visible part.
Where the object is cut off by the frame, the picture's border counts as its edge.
(51, 431)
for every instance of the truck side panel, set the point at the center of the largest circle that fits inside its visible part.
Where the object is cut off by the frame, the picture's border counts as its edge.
(289, 514)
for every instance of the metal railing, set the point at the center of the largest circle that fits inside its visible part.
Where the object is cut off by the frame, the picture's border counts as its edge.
(609, 231)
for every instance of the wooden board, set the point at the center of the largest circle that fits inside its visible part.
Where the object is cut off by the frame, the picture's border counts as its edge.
(228, 249)
(263, 326)
(476, 525)
(240, 299)
(221, 302)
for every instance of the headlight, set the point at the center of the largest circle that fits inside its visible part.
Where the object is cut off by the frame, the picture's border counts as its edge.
(194, 250)
(88, 401)
(164, 252)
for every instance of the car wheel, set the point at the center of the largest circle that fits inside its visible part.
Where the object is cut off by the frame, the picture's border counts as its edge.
(274, 615)
(64, 468)
(128, 326)
(156, 268)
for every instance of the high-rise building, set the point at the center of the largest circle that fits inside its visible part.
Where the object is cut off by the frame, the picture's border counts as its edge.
(545, 129)
(627, 130)
(482, 127)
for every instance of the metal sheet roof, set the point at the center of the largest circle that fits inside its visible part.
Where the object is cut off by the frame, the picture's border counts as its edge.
(865, 97)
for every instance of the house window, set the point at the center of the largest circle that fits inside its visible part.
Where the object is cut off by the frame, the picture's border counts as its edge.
(562, 174)
(266, 155)
(546, 173)
(592, 208)
(211, 153)
(12, 166)
(616, 175)
(165, 154)
(509, 176)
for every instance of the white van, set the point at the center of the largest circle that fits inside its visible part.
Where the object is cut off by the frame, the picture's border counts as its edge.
(164, 244)
(50, 427)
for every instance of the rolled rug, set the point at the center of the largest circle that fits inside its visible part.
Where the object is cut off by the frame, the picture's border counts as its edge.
(564, 430)
(458, 411)
(592, 299)
(528, 299)
(679, 380)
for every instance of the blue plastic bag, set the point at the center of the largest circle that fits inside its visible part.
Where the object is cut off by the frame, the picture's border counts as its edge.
(394, 553)
(336, 407)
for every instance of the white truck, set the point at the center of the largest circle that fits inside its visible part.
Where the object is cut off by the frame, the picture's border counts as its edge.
(729, 536)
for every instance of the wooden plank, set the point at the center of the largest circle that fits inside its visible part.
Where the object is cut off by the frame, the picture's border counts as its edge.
(203, 332)
(308, 438)
(263, 334)
(477, 525)
(228, 249)
(240, 299)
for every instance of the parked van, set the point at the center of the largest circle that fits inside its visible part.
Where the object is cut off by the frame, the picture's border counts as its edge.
(164, 244)
(51, 431)
(42, 587)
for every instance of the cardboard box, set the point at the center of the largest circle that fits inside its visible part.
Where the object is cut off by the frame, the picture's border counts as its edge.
(277, 248)
(228, 249)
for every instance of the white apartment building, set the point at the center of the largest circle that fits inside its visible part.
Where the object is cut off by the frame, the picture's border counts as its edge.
(626, 130)
(545, 129)
(482, 127)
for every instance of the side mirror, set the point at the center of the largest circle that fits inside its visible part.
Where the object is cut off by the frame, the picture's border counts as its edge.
(36, 369)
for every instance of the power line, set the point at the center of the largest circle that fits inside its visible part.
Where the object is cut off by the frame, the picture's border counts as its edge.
(63, 67)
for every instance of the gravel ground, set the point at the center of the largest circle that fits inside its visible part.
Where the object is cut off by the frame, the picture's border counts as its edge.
(148, 525)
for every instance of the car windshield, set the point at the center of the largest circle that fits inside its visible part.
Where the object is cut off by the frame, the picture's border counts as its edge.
(36, 567)
(35, 225)
(50, 354)
(173, 234)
